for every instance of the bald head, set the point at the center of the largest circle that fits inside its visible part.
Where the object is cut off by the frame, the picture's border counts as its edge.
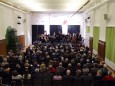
(68, 72)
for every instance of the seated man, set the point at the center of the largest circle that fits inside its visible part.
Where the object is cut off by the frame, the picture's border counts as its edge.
(68, 79)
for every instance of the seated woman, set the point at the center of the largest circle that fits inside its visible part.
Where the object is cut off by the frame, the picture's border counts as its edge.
(57, 76)
(15, 75)
(27, 75)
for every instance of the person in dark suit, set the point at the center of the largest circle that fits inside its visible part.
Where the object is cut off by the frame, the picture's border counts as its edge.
(68, 79)
(78, 78)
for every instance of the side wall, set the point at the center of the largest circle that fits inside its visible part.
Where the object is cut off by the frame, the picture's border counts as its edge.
(102, 15)
(8, 17)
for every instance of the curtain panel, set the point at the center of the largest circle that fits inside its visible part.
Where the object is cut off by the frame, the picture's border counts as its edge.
(95, 37)
(110, 44)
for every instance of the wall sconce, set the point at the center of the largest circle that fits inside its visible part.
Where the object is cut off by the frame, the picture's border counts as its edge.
(18, 23)
(18, 20)
(19, 17)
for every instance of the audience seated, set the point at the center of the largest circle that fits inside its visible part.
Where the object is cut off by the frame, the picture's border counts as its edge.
(51, 62)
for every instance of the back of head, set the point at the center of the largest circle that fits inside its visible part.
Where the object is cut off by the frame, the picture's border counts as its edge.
(78, 72)
(14, 73)
(69, 65)
(85, 71)
(109, 73)
(99, 72)
(60, 64)
(68, 72)
(105, 66)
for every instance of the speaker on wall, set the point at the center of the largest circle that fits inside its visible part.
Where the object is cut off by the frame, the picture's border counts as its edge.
(88, 17)
(19, 17)
(105, 16)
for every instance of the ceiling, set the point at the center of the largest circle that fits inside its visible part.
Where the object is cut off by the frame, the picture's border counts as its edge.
(47, 5)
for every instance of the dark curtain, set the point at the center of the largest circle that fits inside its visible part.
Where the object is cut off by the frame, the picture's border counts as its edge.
(36, 31)
(56, 29)
(74, 29)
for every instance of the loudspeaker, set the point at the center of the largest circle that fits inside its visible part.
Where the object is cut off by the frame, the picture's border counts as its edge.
(88, 17)
(105, 16)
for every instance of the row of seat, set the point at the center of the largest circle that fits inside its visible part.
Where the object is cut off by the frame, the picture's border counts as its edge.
(29, 82)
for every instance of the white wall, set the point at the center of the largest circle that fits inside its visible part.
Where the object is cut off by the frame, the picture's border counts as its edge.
(56, 19)
(110, 23)
(8, 17)
(103, 24)
(28, 33)
(97, 17)
(111, 14)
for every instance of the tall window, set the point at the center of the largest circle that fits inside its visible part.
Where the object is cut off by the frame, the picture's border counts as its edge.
(73, 29)
(55, 29)
(36, 31)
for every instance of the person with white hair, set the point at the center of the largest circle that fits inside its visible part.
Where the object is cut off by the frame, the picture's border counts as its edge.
(68, 79)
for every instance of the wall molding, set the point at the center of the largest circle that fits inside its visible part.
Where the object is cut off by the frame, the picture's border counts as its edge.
(95, 52)
(110, 64)
(96, 6)
(3, 47)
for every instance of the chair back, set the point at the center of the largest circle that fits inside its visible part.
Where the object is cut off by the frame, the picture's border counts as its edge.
(27, 82)
(38, 80)
(16, 82)
(47, 79)
(87, 81)
(78, 81)
(67, 81)
(57, 82)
